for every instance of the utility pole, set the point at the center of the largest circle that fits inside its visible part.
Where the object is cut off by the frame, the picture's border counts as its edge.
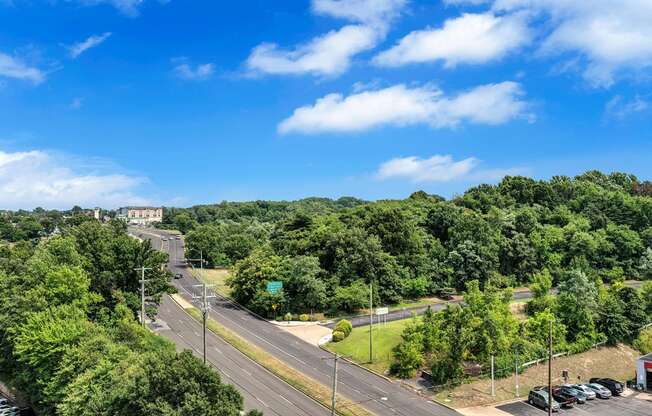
(142, 292)
(334, 396)
(205, 307)
(550, 399)
(201, 262)
(371, 323)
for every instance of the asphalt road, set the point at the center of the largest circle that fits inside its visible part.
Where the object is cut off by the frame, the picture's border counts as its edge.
(378, 395)
(362, 320)
(260, 389)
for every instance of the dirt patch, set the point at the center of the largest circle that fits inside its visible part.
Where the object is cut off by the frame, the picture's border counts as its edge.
(309, 333)
(615, 362)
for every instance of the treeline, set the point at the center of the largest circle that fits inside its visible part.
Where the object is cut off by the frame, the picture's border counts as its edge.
(453, 342)
(70, 340)
(500, 234)
(25, 225)
(256, 212)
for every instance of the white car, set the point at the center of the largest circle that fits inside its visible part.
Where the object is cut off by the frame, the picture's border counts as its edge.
(590, 394)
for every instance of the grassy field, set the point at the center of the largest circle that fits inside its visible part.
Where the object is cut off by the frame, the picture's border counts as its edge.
(385, 338)
(215, 277)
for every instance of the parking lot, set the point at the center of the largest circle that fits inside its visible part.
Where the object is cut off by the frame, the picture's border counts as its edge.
(616, 406)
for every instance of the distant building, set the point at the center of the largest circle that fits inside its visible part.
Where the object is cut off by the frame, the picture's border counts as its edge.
(644, 372)
(140, 215)
(97, 213)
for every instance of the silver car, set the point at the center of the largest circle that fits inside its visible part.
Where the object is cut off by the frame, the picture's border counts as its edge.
(590, 394)
(600, 391)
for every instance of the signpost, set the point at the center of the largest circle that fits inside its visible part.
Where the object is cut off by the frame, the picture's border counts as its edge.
(382, 312)
(274, 287)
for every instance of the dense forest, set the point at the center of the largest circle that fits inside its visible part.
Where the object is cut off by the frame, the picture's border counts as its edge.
(69, 336)
(328, 252)
(583, 236)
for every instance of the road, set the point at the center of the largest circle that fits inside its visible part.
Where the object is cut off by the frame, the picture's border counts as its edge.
(260, 389)
(377, 394)
(521, 295)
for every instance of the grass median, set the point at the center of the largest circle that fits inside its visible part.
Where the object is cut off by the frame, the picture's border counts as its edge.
(298, 380)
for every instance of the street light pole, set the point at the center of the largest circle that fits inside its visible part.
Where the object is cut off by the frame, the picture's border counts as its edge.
(142, 292)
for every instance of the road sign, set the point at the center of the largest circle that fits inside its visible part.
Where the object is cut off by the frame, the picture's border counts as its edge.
(274, 287)
(382, 311)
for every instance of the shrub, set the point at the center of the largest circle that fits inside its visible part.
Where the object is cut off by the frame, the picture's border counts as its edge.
(279, 318)
(344, 326)
(338, 336)
(304, 317)
(644, 341)
(287, 317)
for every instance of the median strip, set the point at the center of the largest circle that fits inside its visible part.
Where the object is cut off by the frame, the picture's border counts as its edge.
(296, 379)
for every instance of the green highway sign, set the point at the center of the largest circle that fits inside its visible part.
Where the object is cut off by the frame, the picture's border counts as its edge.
(274, 287)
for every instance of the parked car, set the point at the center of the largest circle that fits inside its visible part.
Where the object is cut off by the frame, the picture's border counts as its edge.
(579, 395)
(615, 387)
(564, 399)
(590, 394)
(600, 391)
(540, 398)
(178, 276)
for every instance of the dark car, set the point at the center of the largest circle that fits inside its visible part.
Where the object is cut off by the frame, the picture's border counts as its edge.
(564, 399)
(540, 398)
(579, 395)
(615, 387)
(178, 276)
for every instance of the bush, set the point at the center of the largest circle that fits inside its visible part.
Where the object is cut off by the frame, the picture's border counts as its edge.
(344, 326)
(338, 336)
(304, 317)
(287, 317)
(278, 318)
(644, 341)
(446, 293)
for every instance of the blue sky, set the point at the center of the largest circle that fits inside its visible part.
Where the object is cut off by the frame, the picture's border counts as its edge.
(180, 102)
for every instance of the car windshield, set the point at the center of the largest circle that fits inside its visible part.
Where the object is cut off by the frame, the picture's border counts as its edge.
(596, 386)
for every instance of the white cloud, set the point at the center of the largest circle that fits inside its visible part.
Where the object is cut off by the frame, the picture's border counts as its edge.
(80, 47)
(470, 38)
(402, 106)
(330, 54)
(37, 178)
(440, 168)
(126, 7)
(372, 12)
(613, 37)
(620, 108)
(200, 72)
(11, 67)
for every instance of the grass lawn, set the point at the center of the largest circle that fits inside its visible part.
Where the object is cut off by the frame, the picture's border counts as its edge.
(215, 277)
(385, 338)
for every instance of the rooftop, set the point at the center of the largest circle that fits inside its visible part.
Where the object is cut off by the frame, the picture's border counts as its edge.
(646, 357)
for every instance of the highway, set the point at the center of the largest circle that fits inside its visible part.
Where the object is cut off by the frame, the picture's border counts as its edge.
(377, 394)
(260, 389)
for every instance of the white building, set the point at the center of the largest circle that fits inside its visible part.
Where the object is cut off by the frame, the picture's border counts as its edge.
(644, 372)
(140, 215)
